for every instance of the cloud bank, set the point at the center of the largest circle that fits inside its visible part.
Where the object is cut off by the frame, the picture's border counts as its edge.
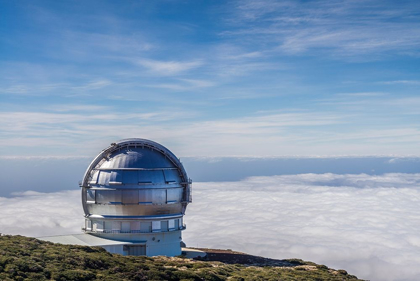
(365, 224)
(37, 214)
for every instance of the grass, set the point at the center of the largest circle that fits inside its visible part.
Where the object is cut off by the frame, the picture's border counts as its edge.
(23, 258)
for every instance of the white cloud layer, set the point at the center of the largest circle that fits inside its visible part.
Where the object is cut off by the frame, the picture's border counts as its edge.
(40, 214)
(279, 133)
(365, 224)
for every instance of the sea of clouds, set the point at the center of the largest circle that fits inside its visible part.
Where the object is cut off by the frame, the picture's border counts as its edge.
(368, 225)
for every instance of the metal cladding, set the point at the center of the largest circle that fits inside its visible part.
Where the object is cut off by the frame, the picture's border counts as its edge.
(135, 186)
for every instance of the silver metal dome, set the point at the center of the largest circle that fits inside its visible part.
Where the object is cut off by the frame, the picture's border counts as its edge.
(135, 177)
(137, 190)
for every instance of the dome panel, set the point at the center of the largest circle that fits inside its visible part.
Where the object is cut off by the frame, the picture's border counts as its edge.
(151, 177)
(138, 157)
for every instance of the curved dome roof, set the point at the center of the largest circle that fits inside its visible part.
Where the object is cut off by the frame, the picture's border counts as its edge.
(137, 157)
(134, 153)
(135, 177)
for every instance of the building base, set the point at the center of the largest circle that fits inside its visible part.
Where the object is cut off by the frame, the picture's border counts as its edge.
(145, 244)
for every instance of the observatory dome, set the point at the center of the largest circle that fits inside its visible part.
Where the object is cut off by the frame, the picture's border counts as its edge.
(133, 189)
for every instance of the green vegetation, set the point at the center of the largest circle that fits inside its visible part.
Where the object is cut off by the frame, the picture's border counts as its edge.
(23, 258)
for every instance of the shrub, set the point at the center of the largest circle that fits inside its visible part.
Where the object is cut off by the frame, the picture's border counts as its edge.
(69, 275)
(30, 259)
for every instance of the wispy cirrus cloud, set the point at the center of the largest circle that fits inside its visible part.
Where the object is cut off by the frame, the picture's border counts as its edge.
(339, 28)
(92, 37)
(58, 89)
(93, 85)
(69, 127)
(375, 104)
(276, 133)
(168, 67)
(403, 82)
(261, 56)
(77, 107)
(183, 85)
(362, 94)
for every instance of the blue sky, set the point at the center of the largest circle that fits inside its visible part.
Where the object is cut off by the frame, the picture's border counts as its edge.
(211, 78)
(309, 101)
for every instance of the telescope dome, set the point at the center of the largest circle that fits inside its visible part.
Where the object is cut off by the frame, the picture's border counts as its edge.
(133, 188)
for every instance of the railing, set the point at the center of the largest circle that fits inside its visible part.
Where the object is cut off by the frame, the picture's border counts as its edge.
(183, 227)
(190, 191)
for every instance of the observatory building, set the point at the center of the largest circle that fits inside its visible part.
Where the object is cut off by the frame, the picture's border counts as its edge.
(134, 196)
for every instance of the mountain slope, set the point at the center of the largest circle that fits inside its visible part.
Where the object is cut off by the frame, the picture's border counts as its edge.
(23, 258)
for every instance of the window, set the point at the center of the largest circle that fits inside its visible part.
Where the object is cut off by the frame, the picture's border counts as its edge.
(164, 225)
(171, 224)
(100, 225)
(136, 250)
(125, 226)
(146, 226)
(108, 225)
(116, 225)
(156, 226)
(135, 225)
